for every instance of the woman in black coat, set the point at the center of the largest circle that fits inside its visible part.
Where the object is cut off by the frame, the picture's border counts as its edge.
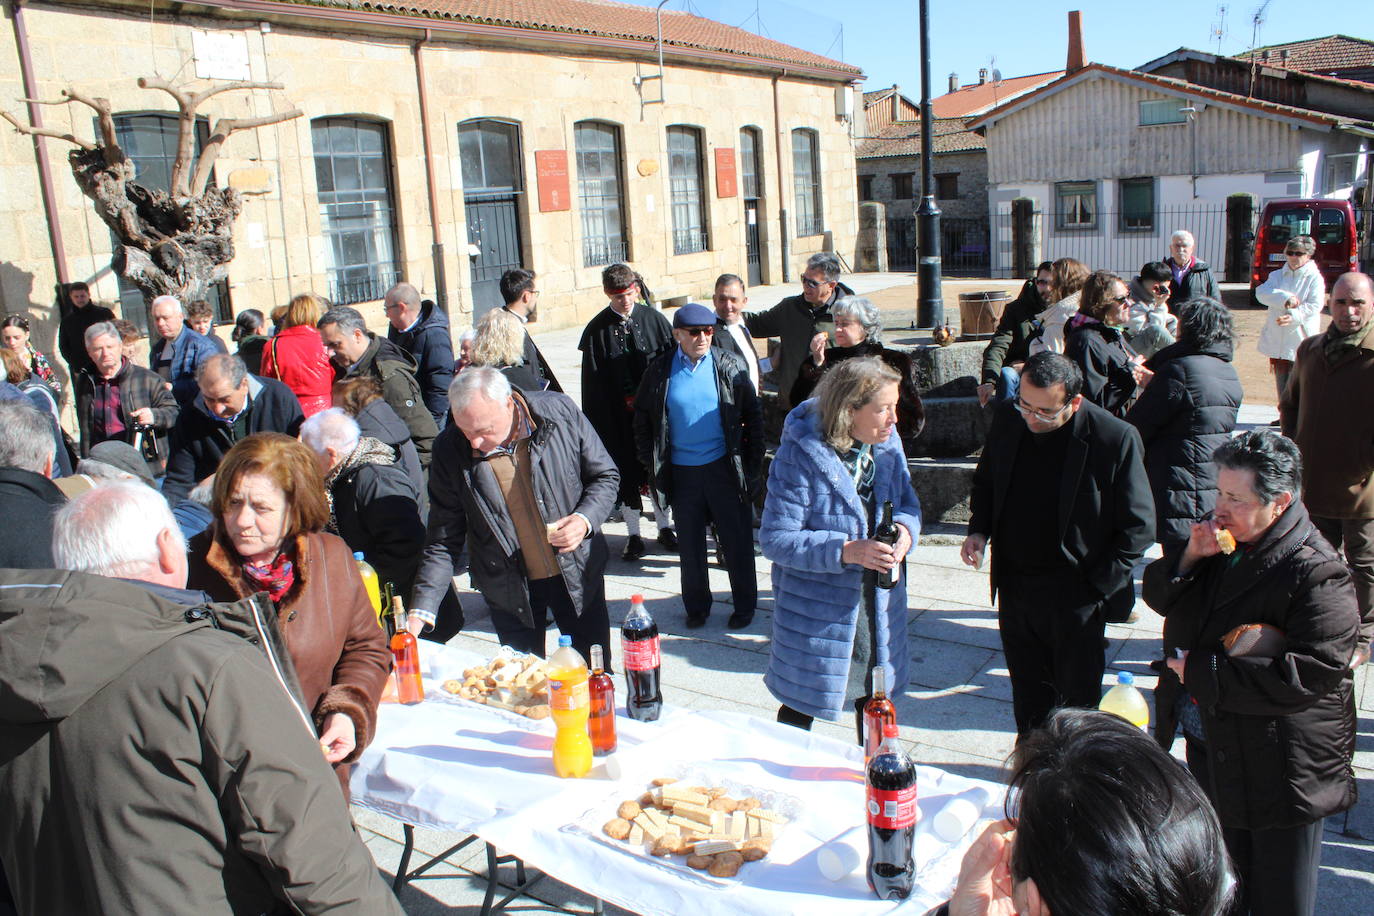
(1269, 724)
(1183, 415)
(1094, 339)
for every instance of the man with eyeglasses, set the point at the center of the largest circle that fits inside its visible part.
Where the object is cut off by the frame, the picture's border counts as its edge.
(1061, 494)
(699, 432)
(1010, 344)
(522, 300)
(798, 320)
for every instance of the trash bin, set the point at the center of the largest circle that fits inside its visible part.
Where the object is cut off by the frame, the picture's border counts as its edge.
(980, 312)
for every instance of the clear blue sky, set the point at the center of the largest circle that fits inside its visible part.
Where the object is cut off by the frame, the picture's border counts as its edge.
(1021, 36)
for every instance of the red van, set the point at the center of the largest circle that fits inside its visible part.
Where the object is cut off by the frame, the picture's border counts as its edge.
(1331, 223)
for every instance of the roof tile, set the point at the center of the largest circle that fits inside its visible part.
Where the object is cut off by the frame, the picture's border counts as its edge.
(904, 139)
(978, 98)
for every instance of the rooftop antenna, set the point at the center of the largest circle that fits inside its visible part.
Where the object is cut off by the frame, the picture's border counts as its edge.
(1219, 27)
(1256, 21)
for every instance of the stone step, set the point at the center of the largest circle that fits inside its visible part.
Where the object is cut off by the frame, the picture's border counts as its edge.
(943, 486)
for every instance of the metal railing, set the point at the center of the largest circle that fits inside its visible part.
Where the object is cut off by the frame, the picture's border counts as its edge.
(600, 252)
(689, 241)
(363, 289)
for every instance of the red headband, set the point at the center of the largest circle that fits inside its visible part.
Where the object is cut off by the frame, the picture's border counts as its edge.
(618, 292)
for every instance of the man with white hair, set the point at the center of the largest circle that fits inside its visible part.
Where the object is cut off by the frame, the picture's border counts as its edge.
(522, 480)
(121, 401)
(420, 328)
(373, 505)
(26, 488)
(178, 350)
(1193, 279)
(156, 751)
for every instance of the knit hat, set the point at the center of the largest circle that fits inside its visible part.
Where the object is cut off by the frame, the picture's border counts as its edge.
(694, 315)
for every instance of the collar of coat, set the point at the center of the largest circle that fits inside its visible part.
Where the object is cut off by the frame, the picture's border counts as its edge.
(228, 565)
(803, 428)
(1285, 537)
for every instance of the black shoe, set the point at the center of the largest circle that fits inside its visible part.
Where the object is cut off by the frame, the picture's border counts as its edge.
(667, 539)
(696, 622)
(634, 548)
(739, 620)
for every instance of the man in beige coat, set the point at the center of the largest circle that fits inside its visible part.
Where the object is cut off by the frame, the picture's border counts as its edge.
(1328, 409)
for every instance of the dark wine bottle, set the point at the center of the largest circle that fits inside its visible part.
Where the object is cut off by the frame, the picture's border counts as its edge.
(887, 533)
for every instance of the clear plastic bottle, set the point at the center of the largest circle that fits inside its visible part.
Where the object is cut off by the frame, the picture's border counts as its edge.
(1126, 701)
(569, 707)
(639, 653)
(372, 584)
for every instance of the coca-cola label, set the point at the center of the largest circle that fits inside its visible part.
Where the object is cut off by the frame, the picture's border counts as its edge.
(641, 654)
(563, 695)
(892, 810)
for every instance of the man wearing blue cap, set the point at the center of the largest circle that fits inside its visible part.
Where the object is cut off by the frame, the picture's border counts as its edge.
(699, 433)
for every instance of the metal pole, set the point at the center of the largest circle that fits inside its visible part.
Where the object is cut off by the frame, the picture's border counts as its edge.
(930, 302)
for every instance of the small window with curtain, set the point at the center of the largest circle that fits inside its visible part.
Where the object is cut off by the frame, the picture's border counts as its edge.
(1137, 205)
(685, 182)
(357, 207)
(806, 182)
(1075, 205)
(901, 186)
(1162, 111)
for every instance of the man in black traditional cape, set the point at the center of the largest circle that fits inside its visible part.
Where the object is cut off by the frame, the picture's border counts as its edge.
(617, 345)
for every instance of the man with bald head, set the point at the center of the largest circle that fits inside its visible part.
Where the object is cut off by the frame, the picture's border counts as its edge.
(232, 405)
(177, 350)
(1328, 409)
(420, 328)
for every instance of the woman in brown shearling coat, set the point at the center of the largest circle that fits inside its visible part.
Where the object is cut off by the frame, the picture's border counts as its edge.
(270, 508)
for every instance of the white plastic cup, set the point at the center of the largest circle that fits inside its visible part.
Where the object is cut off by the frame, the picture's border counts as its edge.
(838, 860)
(959, 815)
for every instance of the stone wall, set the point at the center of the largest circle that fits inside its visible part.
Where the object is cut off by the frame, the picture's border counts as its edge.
(971, 167)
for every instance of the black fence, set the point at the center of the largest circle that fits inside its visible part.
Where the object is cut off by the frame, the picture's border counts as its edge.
(964, 249)
(352, 290)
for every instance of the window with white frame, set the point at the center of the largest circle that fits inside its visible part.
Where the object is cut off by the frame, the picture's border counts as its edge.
(357, 207)
(599, 193)
(1162, 111)
(685, 183)
(806, 182)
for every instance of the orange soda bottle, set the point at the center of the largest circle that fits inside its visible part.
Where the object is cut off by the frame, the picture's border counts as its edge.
(570, 706)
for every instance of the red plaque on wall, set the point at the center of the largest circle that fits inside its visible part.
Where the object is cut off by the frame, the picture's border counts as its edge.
(725, 172)
(551, 171)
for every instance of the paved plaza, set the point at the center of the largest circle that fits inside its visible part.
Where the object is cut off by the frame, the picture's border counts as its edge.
(955, 714)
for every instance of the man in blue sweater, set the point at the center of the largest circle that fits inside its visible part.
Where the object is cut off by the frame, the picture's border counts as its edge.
(699, 434)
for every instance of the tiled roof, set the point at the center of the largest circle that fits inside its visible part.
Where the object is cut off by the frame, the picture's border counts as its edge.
(1178, 85)
(602, 18)
(976, 99)
(904, 139)
(1322, 55)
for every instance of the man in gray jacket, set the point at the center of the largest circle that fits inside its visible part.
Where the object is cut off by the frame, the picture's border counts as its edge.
(522, 480)
(153, 758)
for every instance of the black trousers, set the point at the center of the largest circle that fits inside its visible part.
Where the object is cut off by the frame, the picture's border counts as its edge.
(550, 596)
(1277, 869)
(702, 495)
(1053, 646)
(798, 719)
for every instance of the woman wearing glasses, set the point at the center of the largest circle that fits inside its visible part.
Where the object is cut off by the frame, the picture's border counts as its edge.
(838, 463)
(1095, 340)
(1294, 295)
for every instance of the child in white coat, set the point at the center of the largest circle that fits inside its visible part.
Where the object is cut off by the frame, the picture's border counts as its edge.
(1294, 294)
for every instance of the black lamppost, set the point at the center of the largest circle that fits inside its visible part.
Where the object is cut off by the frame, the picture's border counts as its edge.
(930, 302)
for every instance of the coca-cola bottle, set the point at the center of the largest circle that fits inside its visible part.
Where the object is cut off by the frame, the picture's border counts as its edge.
(891, 787)
(601, 721)
(639, 653)
(887, 533)
(878, 713)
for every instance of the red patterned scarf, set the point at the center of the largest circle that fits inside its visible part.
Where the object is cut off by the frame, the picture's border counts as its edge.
(275, 578)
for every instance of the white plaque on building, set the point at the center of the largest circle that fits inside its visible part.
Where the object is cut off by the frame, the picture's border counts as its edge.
(220, 55)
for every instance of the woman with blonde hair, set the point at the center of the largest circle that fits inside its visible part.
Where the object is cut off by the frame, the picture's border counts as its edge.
(1067, 277)
(296, 355)
(500, 344)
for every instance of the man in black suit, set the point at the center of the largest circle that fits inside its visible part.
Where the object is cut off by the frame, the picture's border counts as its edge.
(522, 301)
(1061, 493)
(732, 335)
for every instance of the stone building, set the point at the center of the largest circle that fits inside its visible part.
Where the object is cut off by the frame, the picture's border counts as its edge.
(441, 142)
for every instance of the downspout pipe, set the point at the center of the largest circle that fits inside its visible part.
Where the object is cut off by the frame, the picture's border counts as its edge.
(21, 40)
(786, 242)
(436, 239)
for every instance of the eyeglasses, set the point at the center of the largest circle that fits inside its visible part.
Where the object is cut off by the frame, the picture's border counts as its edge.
(1042, 282)
(1160, 287)
(1119, 300)
(391, 306)
(1294, 254)
(1040, 415)
(813, 284)
(697, 332)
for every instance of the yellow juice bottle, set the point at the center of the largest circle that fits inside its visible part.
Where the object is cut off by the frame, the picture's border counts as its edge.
(371, 584)
(569, 707)
(1126, 701)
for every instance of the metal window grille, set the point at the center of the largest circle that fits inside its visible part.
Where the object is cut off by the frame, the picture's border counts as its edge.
(685, 188)
(749, 162)
(357, 207)
(599, 194)
(806, 182)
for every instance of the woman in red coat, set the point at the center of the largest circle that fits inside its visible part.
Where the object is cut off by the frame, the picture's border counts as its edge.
(296, 355)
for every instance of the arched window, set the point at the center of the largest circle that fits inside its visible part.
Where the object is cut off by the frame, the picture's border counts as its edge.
(357, 207)
(686, 183)
(599, 193)
(806, 182)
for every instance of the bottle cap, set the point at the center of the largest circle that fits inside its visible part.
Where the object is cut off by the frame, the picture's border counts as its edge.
(1126, 678)
(564, 641)
(636, 599)
(358, 555)
(889, 730)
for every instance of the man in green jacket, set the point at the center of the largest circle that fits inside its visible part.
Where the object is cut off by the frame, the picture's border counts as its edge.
(153, 758)
(1010, 344)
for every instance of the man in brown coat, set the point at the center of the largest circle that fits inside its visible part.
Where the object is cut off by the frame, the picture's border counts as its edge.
(1328, 409)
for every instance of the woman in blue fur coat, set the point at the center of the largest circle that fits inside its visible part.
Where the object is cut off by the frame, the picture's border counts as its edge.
(839, 461)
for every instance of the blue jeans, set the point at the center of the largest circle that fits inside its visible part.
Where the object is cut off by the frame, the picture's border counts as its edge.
(1008, 384)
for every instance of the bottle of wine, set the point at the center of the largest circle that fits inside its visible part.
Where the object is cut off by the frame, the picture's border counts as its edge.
(409, 687)
(878, 713)
(887, 533)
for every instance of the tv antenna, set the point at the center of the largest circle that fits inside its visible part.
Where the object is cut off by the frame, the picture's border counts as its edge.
(1219, 27)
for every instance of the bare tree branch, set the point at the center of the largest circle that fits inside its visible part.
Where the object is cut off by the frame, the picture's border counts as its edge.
(204, 94)
(44, 131)
(223, 128)
(157, 82)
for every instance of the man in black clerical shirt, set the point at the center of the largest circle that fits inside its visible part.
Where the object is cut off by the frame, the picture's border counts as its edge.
(1061, 494)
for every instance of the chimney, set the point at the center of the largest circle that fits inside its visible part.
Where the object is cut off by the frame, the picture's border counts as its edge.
(1283, 56)
(982, 75)
(1077, 60)
(954, 82)
(896, 102)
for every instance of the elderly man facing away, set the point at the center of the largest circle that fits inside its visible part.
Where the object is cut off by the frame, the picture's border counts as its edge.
(522, 481)
(26, 488)
(157, 754)
(177, 353)
(373, 504)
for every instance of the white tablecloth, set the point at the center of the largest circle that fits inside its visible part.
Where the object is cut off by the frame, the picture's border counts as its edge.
(449, 764)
